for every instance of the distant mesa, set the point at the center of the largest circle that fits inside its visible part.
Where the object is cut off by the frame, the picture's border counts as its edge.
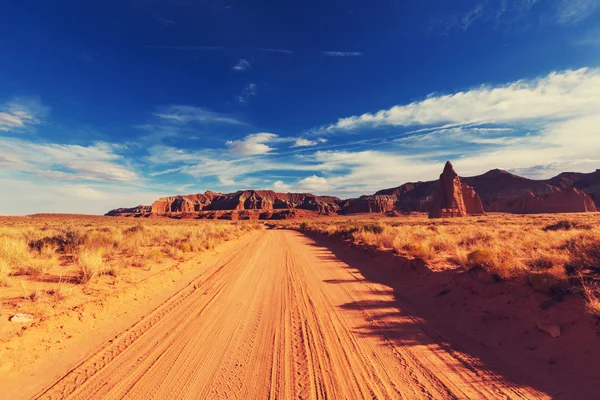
(451, 195)
(453, 198)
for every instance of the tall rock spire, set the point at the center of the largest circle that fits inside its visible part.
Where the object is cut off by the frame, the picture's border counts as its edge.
(453, 198)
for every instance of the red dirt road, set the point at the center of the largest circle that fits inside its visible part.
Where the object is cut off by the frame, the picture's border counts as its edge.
(281, 317)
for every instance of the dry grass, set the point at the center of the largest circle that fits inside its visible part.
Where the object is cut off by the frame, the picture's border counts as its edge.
(547, 249)
(91, 265)
(62, 257)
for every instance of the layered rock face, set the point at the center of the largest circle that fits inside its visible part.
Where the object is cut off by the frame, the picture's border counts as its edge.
(587, 183)
(246, 200)
(134, 210)
(370, 204)
(502, 191)
(564, 201)
(453, 198)
(499, 191)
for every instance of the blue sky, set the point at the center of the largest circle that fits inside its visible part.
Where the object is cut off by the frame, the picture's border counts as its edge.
(114, 104)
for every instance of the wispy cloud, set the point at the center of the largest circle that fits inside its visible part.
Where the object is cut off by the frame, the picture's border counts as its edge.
(280, 51)
(242, 65)
(542, 12)
(184, 114)
(183, 47)
(591, 38)
(20, 114)
(342, 53)
(573, 11)
(559, 95)
(97, 162)
(248, 92)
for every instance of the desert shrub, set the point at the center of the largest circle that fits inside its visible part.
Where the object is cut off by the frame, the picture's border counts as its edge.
(69, 239)
(91, 265)
(592, 302)
(135, 229)
(346, 232)
(304, 226)
(547, 260)
(103, 239)
(61, 291)
(480, 258)
(5, 272)
(373, 228)
(419, 250)
(565, 225)
(155, 254)
(33, 267)
(14, 251)
(461, 256)
(36, 295)
(185, 247)
(552, 280)
(584, 251)
(499, 261)
(477, 239)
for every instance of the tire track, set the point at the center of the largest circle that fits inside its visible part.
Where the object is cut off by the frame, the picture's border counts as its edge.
(266, 322)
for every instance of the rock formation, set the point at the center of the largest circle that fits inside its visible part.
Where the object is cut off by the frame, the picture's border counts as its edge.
(499, 191)
(453, 198)
(126, 211)
(246, 200)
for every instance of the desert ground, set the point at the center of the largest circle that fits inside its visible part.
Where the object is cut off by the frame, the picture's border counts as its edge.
(501, 306)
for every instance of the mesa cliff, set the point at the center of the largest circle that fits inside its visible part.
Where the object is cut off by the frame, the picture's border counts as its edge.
(494, 191)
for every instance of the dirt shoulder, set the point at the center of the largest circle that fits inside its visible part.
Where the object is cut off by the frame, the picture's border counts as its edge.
(58, 342)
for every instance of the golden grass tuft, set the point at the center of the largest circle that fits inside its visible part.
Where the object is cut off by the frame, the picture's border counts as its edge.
(91, 265)
(592, 302)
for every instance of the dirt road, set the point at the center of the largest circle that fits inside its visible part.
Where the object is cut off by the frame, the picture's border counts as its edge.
(281, 317)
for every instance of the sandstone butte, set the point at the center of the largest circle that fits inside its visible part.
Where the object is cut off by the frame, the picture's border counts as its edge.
(453, 198)
(498, 190)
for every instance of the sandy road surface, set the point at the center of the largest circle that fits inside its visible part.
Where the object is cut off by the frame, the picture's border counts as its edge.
(279, 318)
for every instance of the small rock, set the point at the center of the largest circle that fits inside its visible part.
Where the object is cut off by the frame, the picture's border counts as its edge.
(21, 318)
(550, 328)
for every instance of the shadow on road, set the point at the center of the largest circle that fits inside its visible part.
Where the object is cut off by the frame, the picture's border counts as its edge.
(494, 323)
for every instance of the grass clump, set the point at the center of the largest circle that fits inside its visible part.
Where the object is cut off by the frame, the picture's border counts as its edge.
(5, 272)
(565, 225)
(584, 251)
(551, 281)
(592, 302)
(91, 265)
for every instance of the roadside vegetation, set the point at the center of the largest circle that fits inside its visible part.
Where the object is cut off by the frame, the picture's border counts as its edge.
(554, 253)
(49, 261)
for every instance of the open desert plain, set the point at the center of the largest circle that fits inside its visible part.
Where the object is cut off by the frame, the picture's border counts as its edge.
(316, 199)
(362, 306)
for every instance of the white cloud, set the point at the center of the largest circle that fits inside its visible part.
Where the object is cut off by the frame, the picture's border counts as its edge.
(281, 187)
(97, 162)
(183, 114)
(20, 114)
(561, 95)
(253, 144)
(242, 65)
(301, 142)
(313, 183)
(342, 53)
(22, 196)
